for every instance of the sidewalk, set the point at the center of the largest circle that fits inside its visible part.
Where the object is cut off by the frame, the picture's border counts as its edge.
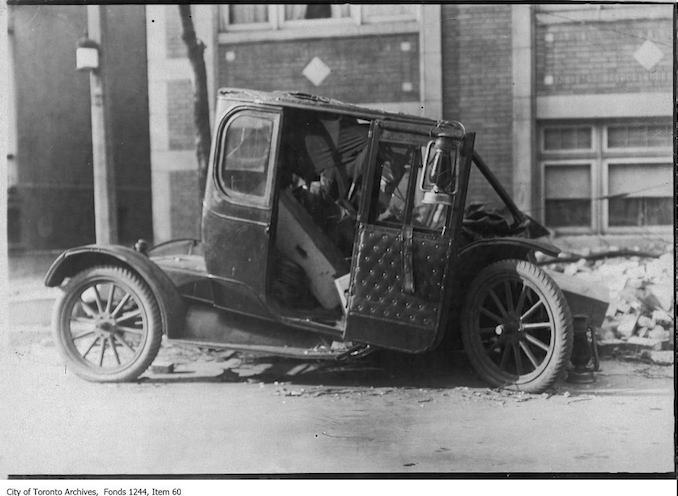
(30, 301)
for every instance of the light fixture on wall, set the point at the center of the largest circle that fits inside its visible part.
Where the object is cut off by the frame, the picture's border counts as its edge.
(87, 55)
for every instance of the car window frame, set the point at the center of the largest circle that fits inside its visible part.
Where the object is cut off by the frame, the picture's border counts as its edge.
(233, 196)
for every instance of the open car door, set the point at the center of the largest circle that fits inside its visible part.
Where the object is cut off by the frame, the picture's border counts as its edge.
(405, 247)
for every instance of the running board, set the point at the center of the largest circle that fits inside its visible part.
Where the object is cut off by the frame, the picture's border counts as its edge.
(209, 326)
(285, 351)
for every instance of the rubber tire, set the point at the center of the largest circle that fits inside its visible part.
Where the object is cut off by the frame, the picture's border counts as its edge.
(146, 299)
(557, 307)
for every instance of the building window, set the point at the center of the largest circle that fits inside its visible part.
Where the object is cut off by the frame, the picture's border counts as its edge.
(567, 195)
(245, 17)
(247, 14)
(640, 194)
(607, 177)
(305, 12)
(386, 12)
(242, 17)
(567, 138)
(638, 136)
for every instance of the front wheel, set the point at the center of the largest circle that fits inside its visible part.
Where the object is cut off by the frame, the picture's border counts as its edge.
(107, 324)
(516, 326)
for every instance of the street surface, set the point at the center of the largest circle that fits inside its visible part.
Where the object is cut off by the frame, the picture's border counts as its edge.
(222, 413)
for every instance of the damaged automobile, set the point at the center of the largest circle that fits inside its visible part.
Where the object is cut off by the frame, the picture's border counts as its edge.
(328, 231)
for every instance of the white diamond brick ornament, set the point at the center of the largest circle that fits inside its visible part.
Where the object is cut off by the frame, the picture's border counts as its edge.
(648, 55)
(316, 71)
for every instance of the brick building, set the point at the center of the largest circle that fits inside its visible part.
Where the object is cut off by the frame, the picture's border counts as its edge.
(50, 178)
(572, 104)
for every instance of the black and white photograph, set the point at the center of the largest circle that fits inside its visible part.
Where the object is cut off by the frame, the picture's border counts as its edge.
(336, 241)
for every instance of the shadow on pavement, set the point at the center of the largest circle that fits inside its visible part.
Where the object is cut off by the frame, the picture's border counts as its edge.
(380, 369)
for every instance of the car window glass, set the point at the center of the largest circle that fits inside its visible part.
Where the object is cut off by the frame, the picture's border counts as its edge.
(427, 216)
(396, 163)
(246, 153)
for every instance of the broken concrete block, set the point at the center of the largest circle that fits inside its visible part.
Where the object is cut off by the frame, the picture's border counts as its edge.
(612, 309)
(570, 269)
(662, 317)
(663, 294)
(659, 333)
(162, 368)
(645, 321)
(659, 357)
(627, 325)
(654, 344)
(634, 283)
(642, 332)
(636, 272)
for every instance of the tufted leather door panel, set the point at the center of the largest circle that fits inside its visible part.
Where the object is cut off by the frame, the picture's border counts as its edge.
(381, 311)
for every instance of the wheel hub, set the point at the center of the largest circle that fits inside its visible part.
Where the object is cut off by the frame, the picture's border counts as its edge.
(105, 324)
(510, 329)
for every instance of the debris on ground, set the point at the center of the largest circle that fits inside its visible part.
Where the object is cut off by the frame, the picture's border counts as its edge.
(162, 367)
(659, 357)
(641, 313)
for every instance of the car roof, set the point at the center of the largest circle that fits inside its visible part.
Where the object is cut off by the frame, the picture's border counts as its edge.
(302, 100)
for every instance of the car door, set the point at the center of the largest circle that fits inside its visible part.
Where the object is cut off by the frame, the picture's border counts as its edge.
(238, 208)
(404, 248)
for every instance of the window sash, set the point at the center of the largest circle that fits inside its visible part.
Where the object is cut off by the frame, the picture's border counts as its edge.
(279, 15)
(225, 18)
(568, 207)
(649, 136)
(411, 12)
(645, 207)
(578, 137)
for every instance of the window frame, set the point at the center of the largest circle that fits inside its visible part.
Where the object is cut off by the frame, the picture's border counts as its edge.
(605, 188)
(595, 209)
(566, 151)
(224, 15)
(388, 133)
(367, 19)
(236, 197)
(278, 29)
(352, 18)
(599, 158)
(652, 150)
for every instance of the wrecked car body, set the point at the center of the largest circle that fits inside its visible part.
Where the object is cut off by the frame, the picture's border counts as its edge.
(328, 231)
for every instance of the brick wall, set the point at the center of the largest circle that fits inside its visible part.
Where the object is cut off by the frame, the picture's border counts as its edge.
(477, 77)
(364, 69)
(185, 204)
(53, 200)
(180, 114)
(174, 44)
(598, 57)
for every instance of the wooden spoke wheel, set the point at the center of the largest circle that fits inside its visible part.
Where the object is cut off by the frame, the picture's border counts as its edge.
(516, 326)
(107, 324)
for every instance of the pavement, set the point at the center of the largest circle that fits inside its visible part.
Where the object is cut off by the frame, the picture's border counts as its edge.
(30, 301)
(220, 412)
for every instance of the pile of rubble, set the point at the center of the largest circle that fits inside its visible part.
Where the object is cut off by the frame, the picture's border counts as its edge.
(641, 310)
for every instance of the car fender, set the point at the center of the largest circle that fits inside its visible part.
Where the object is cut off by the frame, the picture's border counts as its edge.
(479, 253)
(74, 260)
(525, 244)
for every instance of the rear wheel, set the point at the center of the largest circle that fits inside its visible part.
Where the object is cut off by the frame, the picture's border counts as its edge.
(516, 326)
(107, 324)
